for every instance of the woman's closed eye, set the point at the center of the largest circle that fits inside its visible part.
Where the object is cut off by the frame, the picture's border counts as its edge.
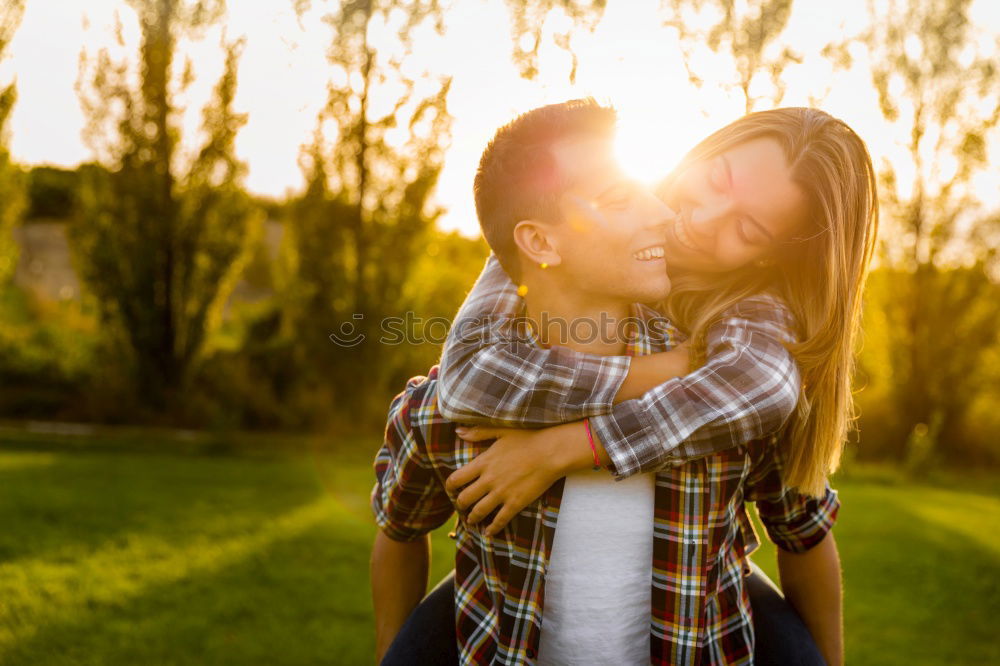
(749, 233)
(719, 176)
(620, 203)
(621, 197)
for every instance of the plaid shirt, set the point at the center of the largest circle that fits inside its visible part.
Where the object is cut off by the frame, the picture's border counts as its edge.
(746, 390)
(701, 535)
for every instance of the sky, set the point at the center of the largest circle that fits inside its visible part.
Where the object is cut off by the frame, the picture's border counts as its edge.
(629, 60)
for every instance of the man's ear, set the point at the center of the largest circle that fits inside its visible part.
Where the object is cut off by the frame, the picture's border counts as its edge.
(536, 241)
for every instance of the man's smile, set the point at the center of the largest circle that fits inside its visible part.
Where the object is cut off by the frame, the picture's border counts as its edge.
(652, 253)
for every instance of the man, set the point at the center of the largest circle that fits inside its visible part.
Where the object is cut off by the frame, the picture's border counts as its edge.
(586, 244)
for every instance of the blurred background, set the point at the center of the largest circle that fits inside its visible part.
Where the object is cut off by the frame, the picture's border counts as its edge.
(194, 195)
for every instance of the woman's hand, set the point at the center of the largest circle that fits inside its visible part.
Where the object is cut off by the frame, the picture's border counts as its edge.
(515, 470)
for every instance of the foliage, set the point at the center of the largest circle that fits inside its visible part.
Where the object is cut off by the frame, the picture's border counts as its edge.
(12, 199)
(258, 375)
(159, 245)
(528, 26)
(47, 357)
(161, 236)
(444, 270)
(746, 34)
(352, 237)
(938, 90)
(52, 193)
(941, 419)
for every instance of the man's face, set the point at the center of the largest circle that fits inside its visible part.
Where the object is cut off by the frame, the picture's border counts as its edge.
(613, 230)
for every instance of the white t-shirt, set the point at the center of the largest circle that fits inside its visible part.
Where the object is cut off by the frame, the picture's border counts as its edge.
(597, 585)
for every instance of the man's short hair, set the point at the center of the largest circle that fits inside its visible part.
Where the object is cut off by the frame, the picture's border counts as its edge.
(518, 176)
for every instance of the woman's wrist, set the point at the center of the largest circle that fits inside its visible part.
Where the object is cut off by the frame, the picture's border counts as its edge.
(571, 451)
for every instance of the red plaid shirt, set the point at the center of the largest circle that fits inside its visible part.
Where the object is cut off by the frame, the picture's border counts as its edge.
(746, 390)
(702, 534)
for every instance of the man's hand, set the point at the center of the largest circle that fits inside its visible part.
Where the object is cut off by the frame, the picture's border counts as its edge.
(515, 470)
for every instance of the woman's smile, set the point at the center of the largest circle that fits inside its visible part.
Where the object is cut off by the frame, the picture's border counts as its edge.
(683, 236)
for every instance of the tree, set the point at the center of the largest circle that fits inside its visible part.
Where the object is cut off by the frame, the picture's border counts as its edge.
(528, 25)
(51, 193)
(159, 243)
(938, 90)
(353, 235)
(747, 34)
(12, 197)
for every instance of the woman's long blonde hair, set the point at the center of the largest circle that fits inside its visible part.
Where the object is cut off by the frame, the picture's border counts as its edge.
(820, 276)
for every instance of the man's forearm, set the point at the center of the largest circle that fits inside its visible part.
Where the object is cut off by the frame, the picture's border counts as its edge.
(399, 571)
(811, 583)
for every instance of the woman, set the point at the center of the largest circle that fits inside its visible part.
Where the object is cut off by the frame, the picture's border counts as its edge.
(801, 243)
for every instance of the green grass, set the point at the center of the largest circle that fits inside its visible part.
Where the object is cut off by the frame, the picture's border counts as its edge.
(112, 557)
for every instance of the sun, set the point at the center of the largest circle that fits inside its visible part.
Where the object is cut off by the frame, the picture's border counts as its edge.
(648, 148)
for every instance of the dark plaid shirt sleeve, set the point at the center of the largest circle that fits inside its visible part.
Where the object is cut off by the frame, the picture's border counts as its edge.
(408, 499)
(747, 389)
(795, 522)
(491, 375)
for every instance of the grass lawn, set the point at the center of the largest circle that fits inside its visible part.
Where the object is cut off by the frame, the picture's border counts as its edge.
(111, 557)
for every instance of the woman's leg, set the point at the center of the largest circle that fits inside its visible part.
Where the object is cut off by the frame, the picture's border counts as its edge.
(428, 635)
(781, 638)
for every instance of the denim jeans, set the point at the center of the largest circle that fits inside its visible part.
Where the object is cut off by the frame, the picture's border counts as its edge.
(780, 636)
(428, 635)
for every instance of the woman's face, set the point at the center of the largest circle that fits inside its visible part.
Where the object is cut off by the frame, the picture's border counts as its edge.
(734, 209)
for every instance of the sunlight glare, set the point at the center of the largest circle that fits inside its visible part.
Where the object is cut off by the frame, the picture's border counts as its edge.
(645, 149)
(630, 60)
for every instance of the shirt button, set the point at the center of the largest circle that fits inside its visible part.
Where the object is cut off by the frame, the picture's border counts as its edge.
(530, 652)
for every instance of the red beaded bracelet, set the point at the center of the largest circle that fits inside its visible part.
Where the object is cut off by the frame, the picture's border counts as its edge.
(593, 447)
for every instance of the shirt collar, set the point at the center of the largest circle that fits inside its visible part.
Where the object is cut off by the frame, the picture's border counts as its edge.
(648, 330)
